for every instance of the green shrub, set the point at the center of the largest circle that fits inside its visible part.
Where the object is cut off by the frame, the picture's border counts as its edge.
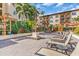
(18, 26)
(26, 26)
(31, 24)
(15, 28)
(51, 26)
(0, 32)
(66, 28)
(76, 30)
(56, 27)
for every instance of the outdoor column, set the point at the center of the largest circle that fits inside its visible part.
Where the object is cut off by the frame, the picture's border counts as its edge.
(10, 25)
(4, 25)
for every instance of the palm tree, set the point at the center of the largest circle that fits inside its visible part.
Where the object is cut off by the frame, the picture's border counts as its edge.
(26, 11)
(20, 10)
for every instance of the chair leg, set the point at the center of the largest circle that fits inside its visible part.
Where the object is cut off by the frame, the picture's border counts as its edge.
(67, 52)
(48, 45)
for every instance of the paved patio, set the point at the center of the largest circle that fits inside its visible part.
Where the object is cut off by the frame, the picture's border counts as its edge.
(23, 46)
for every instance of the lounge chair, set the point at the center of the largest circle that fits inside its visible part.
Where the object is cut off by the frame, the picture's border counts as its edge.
(61, 35)
(50, 52)
(63, 42)
(57, 44)
(76, 51)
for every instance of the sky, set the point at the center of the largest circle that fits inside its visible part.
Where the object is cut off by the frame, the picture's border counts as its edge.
(51, 8)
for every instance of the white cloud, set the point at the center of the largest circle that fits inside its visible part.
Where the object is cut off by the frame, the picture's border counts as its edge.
(66, 8)
(77, 7)
(47, 4)
(71, 7)
(59, 4)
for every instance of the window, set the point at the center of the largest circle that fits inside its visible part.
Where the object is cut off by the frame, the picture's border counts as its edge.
(56, 16)
(68, 18)
(51, 16)
(62, 20)
(62, 16)
(14, 12)
(56, 20)
(73, 13)
(50, 21)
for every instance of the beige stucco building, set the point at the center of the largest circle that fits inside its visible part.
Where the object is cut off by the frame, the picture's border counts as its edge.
(9, 9)
(61, 17)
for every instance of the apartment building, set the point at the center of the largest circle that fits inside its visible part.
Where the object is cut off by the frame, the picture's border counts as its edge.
(74, 13)
(54, 19)
(60, 18)
(9, 9)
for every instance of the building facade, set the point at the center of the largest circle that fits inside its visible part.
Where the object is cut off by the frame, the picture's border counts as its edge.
(9, 9)
(54, 19)
(61, 18)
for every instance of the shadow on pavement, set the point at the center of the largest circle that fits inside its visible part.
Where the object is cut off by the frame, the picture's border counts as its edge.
(22, 38)
(6, 42)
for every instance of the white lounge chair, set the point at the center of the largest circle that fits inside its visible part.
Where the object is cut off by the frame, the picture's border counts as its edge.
(59, 37)
(63, 42)
(49, 52)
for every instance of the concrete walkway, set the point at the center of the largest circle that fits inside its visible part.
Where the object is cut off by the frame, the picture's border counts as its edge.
(27, 47)
(13, 35)
(21, 46)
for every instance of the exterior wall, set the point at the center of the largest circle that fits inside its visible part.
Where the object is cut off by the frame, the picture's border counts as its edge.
(77, 14)
(4, 8)
(40, 21)
(65, 17)
(10, 9)
(53, 20)
(46, 21)
(73, 16)
(62, 17)
(56, 19)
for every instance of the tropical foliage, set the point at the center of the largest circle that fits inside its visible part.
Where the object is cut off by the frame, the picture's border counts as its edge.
(26, 11)
(28, 14)
(23, 26)
(76, 30)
